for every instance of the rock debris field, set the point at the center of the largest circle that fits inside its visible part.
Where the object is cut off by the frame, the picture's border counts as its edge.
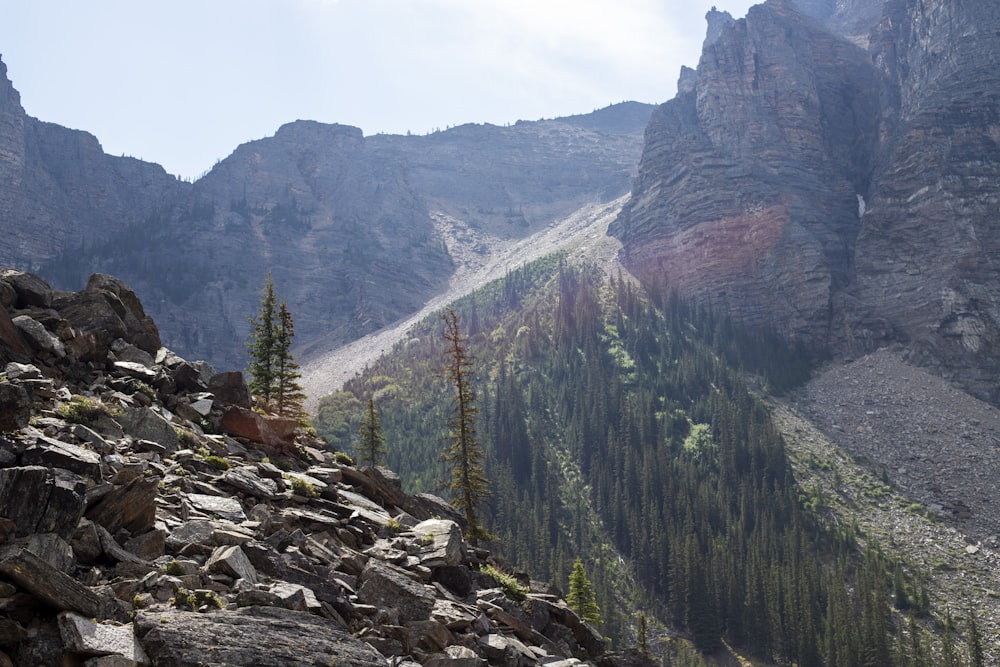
(936, 443)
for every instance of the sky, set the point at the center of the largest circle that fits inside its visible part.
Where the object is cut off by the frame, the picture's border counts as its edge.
(184, 82)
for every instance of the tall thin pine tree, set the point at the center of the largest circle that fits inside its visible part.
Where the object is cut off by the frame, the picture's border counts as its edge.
(263, 343)
(468, 477)
(372, 446)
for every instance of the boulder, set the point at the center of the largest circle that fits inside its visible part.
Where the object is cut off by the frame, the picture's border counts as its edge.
(55, 587)
(54, 453)
(147, 424)
(39, 500)
(230, 388)
(15, 407)
(40, 338)
(85, 636)
(132, 507)
(440, 542)
(261, 636)
(221, 506)
(245, 423)
(233, 562)
(29, 290)
(389, 588)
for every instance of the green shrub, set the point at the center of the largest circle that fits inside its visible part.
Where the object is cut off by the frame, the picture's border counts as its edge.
(343, 459)
(508, 584)
(303, 488)
(83, 410)
(217, 462)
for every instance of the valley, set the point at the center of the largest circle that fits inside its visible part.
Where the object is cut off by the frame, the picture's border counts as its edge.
(480, 259)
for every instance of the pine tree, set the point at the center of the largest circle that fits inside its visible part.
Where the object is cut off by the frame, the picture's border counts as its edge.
(581, 598)
(273, 372)
(468, 478)
(263, 343)
(288, 392)
(976, 656)
(949, 655)
(372, 446)
(642, 640)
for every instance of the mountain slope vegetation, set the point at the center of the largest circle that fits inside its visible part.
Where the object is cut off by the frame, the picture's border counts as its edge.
(620, 429)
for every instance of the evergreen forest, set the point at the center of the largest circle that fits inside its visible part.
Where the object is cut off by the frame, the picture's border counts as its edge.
(620, 429)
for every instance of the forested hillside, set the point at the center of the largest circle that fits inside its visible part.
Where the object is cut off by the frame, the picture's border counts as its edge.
(620, 429)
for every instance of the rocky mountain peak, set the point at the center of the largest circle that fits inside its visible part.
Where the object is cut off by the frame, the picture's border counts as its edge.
(826, 171)
(149, 516)
(717, 22)
(9, 97)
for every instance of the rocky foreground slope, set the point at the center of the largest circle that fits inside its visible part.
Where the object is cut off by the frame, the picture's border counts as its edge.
(149, 516)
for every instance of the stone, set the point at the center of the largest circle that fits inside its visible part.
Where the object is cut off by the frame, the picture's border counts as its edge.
(132, 507)
(125, 351)
(233, 562)
(53, 453)
(149, 545)
(222, 507)
(245, 423)
(51, 548)
(51, 585)
(230, 389)
(146, 424)
(15, 407)
(262, 636)
(135, 370)
(38, 336)
(440, 542)
(245, 478)
(87, 637)
(295, 597)
(17, 371)
(388, 588)
(29, 289)
(37, 499)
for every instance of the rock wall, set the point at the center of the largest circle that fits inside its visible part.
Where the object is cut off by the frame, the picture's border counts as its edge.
(831, 170)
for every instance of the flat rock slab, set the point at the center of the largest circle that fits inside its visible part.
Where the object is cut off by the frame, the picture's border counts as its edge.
(88, 637)
(389, 588)
(260, 636)
(56, 588)
(224, 508)
(440, 542)
(54, 453)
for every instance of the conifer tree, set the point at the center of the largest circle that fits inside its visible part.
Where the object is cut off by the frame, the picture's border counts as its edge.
(372, 446)
(468, 478)
(976, 656)
(273, 372)
(642, 640)
(949, 655)
(289, 394)
(263, 343)
(581, 598)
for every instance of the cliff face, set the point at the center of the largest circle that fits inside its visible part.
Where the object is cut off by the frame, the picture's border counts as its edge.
(344, 222)
(830, 169)
(57, 186)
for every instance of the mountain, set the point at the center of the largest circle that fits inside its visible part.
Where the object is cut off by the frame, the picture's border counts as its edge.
(830, 169)
(352, 228)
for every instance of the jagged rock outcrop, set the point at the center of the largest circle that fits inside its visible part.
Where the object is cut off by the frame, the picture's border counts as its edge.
(830, 170)
(131, 534)
(345, 223)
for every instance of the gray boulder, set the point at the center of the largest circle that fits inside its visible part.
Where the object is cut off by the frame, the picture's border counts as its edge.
(260, 636)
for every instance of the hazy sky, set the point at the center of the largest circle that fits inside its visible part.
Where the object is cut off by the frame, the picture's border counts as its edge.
(183, 82)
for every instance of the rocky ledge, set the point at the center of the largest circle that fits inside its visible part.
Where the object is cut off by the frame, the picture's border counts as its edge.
(148, 515)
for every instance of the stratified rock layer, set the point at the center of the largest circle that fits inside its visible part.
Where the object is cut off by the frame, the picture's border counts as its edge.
(831, 171)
